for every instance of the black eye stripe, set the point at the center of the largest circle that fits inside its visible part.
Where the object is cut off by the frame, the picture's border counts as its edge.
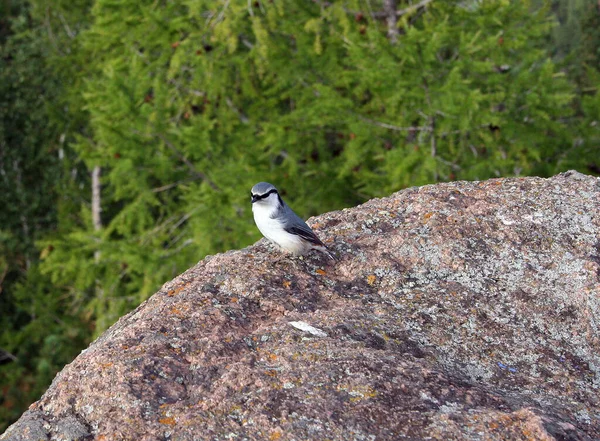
(263, 196)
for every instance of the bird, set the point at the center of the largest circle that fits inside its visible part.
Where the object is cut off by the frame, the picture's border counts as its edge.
(278, 222)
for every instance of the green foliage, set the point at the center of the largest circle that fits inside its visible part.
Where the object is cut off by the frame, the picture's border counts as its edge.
(185, 105)
(50, 333)
(575, 44)
(39, 187)
(192, 103)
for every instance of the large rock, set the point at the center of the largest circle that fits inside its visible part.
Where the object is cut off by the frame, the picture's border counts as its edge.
(467, 310)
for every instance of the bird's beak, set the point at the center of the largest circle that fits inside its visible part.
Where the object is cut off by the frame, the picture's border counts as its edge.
(254, 198)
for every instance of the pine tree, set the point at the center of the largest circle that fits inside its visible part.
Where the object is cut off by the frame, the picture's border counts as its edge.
(192, 103)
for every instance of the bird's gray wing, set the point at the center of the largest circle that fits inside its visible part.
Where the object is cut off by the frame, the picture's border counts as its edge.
(293, 224)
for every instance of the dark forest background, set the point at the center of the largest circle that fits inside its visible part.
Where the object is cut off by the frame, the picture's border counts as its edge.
(131, 132)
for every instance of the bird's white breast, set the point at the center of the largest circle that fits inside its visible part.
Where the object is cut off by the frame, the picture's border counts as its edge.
(273, 230)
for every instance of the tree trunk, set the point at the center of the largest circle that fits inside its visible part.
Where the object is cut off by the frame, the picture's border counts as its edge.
(392, 20)
(96, 205)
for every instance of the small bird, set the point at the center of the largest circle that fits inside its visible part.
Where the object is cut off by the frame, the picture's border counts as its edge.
(278, 223)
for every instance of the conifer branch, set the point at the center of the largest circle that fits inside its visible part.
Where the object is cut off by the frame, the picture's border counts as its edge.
(393, 127)
(49, 29)
(401, 12)
(243, 118)
(383, 14)
(185, 243)
(219, 16)
(181, 221)
(222, 13)
(370, 10)
(68, 30)
(5, 355)
(412, 8)
(189, 165)
(174, 184)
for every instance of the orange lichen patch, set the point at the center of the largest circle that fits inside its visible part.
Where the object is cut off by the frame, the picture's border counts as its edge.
(178, 312)
(275, 436)
(106, 365)
(272, 357)
(170, 421)
(234, 300)
(287, 283)
(177, 290)
(426, 216)
(371, 279)
(321, 272)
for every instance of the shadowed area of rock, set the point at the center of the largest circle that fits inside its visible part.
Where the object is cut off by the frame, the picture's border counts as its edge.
(467, 310)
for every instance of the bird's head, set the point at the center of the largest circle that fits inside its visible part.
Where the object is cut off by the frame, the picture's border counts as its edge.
(264, 193)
